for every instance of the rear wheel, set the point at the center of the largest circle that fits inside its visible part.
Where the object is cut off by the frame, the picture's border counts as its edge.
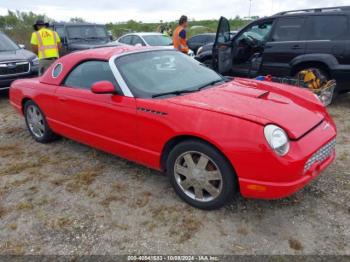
(37, 124)
(201, 175)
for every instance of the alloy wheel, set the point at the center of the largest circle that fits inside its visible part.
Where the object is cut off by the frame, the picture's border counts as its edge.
(35, 121)
(198, 176)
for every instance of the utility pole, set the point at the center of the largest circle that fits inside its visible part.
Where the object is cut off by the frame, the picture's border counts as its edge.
(250, 8)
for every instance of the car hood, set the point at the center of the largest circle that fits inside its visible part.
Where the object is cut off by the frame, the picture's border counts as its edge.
(295, 110)
(19, 54)
(89, 45)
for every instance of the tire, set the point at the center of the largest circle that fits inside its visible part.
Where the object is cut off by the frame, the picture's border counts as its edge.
(37, 124)
(189, 178)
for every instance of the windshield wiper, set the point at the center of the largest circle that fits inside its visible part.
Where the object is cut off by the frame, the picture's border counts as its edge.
(95, 37)
(213, 83)
(180, 92)
(176, 92)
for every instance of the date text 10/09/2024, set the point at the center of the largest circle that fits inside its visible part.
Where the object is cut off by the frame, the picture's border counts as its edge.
(173, 258)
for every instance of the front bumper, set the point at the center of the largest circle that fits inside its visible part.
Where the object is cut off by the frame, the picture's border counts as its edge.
(268, 190)
(281, 177)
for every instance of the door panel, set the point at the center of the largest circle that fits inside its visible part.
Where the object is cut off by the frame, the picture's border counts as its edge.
(103, 121)
(287, 42)
(329, 34)
(222, 49)
(248, 47)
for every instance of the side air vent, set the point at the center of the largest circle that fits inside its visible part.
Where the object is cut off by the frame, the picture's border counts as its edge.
(146, 110)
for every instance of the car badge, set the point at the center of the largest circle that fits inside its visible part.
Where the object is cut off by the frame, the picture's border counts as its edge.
(11, 65)
(326, 126)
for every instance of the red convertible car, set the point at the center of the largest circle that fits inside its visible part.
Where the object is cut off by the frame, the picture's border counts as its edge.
(213, 136)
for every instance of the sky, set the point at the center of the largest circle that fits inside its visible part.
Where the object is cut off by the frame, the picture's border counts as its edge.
(105, 11)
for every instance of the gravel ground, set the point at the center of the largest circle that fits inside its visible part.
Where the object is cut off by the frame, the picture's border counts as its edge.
(69, 199)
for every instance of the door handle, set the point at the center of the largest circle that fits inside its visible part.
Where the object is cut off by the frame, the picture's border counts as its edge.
(296, 47)
(62, 99)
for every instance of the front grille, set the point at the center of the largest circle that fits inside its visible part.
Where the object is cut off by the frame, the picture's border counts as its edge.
(14, 68)
(321, 155)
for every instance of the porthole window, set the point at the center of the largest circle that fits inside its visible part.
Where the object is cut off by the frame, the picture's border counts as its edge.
(57, 70)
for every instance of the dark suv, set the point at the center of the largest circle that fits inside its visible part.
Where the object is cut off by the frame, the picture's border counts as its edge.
(80, 36)
(287, 43)
(15, 62)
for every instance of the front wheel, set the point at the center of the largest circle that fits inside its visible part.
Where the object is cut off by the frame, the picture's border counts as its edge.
(201, 175)
(37, 124)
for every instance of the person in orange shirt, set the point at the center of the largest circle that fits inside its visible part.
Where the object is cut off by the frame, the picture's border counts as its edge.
(180, 38)
(46, 43)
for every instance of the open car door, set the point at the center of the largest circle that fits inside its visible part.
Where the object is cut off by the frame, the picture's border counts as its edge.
(222, 49)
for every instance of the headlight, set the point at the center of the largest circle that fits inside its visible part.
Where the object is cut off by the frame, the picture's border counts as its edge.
(35, 61)
(199, 50)
(277, 139)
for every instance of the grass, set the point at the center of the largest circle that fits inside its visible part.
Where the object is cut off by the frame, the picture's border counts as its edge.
(18, 183)
(142, 200)
(63, 222)
(9, 150)
(111, 198)
(12, 248)
(186, 229)
(13, 226)
(25, 205)
(295, 244)
(3, 211)
(17, 168)
(242, 230)
(81, 180)
(182, 224)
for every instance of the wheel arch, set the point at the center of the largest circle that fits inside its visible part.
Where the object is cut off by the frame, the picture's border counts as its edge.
(181, 138)
(170, 144)
(325, 61)
(24, 101)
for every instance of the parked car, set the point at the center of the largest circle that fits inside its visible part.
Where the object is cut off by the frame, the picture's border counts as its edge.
(81, 36)
(145, 39)
(205, 53)
(15, 62)
(195, 42)
(287, 43)
(213, 136)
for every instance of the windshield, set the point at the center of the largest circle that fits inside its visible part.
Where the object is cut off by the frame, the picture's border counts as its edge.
(6, 44)
(258, 32)
(158, 72)
(158, 40)
(86, 32)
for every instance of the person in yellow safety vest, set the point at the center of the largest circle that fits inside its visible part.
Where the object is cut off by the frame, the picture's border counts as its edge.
(46, 43)
(179, 36)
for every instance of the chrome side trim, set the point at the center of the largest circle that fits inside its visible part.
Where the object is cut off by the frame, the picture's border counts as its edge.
(297, 41)
(118, 77)
(53, 69)
(4, 88)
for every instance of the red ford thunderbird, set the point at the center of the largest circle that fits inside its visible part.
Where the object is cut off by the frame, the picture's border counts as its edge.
(213, 136)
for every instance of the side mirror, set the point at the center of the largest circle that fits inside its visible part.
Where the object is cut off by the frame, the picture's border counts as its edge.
(138, 45)
(103, 87)
(22, 46)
